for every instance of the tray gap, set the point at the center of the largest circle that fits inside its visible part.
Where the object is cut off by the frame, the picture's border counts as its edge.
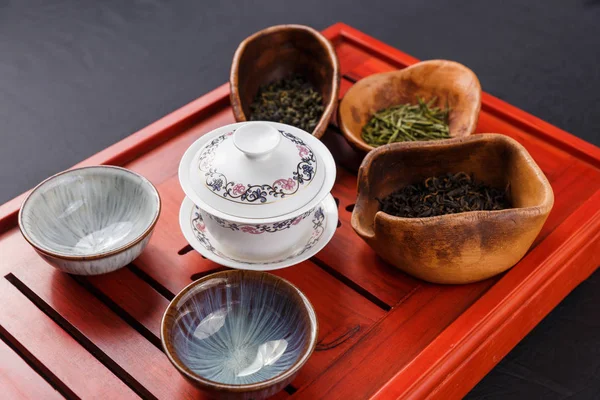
(202, 274)
(37, 365)
(289, 389)
(339, 224)
(114, 307)
(100, 355)
(350, 78)
(164, 292)
(185, 250)
(350, 208)
(352, 285)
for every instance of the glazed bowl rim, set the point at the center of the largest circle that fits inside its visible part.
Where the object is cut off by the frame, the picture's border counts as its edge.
(542, 208)
(182, 368)
(323, 154)
(112, 169)
(357, 141)
(329, 108)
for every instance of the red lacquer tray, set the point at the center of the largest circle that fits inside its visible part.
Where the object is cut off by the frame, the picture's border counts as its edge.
(383, 334)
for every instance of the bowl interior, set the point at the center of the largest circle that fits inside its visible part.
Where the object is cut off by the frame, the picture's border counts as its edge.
(453, 84)
(238, 328)
(89, 211)
(496, 160)
(280, 53)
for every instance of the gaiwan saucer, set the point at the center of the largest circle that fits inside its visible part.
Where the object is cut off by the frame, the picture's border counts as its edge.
(324, 219)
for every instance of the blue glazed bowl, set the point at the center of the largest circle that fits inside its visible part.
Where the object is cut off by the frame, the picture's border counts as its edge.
(239, 334)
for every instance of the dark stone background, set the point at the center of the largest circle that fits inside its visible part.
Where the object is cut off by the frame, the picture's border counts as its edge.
(77, 76)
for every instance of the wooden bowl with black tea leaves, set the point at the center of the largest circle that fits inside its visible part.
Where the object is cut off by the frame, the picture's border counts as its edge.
(285, 52)
(453, 248)
(449, 83)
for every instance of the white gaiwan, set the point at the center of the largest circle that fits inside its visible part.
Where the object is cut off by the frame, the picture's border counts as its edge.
(256, 185)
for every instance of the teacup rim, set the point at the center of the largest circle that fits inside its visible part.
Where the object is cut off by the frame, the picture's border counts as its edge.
(98, 255)
(214, 385)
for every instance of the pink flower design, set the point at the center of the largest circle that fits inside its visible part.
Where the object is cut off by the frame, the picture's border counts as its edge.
(238, 189)
(286, 184)
(250, 229)
(302, 151)
(200, 226)
(229, 134)
(297, 220)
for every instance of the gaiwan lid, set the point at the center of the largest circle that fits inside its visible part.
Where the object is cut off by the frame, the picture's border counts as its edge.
(256, 170)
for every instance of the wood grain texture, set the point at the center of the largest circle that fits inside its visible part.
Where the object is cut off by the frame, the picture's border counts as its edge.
(453, 248)
(42, 337)
(394, 342)
(129, 354)
(278, 52)
(19, 381)
(134, 296)
(452, 84)
(354, 260)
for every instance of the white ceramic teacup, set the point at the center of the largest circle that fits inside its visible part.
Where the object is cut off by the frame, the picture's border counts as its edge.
(90, 220)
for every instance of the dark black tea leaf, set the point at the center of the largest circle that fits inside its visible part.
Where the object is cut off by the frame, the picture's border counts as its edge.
(447, 194)
(293, 101)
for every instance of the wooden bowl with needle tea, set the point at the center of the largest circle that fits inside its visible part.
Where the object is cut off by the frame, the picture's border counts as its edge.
(430, 100)
(453, 211)
(288, 74)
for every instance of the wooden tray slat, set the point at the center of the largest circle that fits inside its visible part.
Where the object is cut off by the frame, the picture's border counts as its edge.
(119, 346)
(77, 371)
(397, 339)
(138, 299)
(574, 186)
(19, 381)
(354, 259)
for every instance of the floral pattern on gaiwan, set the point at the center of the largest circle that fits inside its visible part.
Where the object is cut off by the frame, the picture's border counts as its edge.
(199, 228)
(262, 228)
(257, 193)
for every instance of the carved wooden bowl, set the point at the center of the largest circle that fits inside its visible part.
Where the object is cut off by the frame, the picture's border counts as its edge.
(453, 248)
(449, 81)
(278, 52)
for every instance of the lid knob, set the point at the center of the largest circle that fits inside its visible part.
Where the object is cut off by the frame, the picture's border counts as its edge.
(256, 139)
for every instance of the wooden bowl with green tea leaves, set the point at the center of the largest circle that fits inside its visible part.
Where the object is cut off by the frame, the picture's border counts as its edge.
(430, 100)
(288, 74)
(452, 211)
